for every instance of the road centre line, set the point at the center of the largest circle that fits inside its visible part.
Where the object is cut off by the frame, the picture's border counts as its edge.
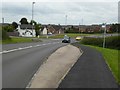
(7, 51)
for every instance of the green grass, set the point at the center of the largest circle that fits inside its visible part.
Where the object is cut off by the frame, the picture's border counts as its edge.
(58, 36)
(17, 40)
(72, 35)
(111, 58)
(75, 35)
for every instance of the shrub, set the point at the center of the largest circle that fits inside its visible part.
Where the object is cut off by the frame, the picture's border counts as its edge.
(5, 35)
(113, 42)
(8, 28)
(92, 41)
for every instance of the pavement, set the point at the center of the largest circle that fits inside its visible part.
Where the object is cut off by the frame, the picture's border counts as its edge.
(56, 67)
(90, 71)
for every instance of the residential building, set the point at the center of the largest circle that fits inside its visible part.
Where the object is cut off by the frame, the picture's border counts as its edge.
(52, 29)
(26, 30)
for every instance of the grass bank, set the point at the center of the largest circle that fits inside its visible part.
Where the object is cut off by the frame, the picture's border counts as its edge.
(111, 58)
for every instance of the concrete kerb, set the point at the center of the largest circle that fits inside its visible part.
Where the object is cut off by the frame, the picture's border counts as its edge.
(55, 68)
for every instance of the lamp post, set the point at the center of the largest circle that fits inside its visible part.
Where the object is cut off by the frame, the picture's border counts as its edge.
(32, 15)
(104, 26)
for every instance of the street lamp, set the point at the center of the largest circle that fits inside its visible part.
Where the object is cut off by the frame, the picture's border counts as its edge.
(32, 15)
(104, 26)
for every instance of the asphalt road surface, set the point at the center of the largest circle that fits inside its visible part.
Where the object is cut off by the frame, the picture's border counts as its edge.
(90, 71)
(21, 61)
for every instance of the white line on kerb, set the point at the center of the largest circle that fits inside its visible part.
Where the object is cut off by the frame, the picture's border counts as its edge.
(7, 51)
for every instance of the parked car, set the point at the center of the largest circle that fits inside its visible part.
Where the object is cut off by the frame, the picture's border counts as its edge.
(49, 33)
(66, 39)
(78, 38)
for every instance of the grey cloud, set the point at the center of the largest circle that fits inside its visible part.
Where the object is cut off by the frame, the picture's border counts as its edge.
(91, 12)
(15, 9)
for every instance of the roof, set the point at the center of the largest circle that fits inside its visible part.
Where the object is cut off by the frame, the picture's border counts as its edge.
(56, 27)
(27, 26)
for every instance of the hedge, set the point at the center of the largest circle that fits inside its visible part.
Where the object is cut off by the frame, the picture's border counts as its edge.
(112, 42)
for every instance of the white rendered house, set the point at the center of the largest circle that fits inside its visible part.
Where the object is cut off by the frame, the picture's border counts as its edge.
(44, 31)
(26, 30)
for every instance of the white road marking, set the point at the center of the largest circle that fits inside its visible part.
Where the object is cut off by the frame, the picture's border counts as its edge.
(7, 51)
(37, 45)
(43, 44)
(20, 48)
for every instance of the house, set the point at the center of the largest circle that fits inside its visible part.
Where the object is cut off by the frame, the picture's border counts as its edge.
(52, 29)
(44, 30)
(26, 30)
(55, 29)
(96, 28)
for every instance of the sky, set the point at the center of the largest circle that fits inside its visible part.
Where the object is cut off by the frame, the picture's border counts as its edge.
(55, 12)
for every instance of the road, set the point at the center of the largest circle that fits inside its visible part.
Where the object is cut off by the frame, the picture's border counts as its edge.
(90, 71)
(21, 61)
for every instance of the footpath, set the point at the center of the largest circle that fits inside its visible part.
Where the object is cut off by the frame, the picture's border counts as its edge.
(90, 71)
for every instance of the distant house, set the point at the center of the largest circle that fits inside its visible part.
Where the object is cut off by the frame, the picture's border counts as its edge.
(58, 29)
(26, 30)
(108, 28)
(52, 29)
(44, 30)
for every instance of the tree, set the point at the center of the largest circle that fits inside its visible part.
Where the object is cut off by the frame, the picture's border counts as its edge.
(37, 29)
(15, 25)
(32, 22)
(8, 28)
(114, 28)
(23, 21)
(5, 35)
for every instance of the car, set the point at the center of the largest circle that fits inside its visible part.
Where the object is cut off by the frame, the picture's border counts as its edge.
(66, 39)
(78, 38)
(49, 33)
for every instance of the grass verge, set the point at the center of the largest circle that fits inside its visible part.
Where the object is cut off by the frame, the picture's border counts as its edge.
(72, 35)
(111, 58)
(16, 40)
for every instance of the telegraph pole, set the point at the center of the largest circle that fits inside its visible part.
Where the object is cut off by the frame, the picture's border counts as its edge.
(66, 20)
(82, 21)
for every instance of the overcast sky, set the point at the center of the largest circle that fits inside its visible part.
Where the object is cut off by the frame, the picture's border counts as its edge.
(55, 12)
